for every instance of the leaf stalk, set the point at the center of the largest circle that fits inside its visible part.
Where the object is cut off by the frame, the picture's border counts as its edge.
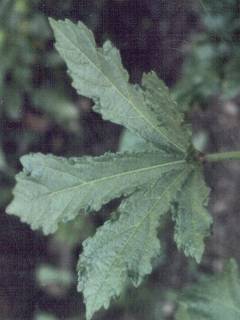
(222, 156)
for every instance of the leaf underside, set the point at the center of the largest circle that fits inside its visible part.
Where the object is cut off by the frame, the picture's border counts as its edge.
(192, 220)
(51, 190)
(98, 74)
(123, 249)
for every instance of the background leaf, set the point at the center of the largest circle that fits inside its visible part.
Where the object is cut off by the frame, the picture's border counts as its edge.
(216, 297)
(59, 108)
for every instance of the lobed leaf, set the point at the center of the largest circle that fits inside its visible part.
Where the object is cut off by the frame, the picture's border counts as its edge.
(98, 74)
(213, 298)
(123, 249)
(51, 189)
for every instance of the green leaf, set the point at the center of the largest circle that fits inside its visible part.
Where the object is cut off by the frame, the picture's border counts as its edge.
(51, 189)
(12, 102)
(158, 98)
(123, 249)
(98, 74)
(182, 312)
(191, 217)
(213, 298)
(45, 316)
(47, 275)
(130, 142)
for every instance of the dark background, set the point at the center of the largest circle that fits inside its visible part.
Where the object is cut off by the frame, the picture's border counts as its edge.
(194, 49)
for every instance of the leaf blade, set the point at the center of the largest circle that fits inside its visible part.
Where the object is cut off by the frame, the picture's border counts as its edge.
(192, 220)
(124, 248)
(98, 74)
(157, 97)
(51, 189)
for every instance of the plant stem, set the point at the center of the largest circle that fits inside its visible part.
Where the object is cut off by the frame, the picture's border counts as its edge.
(222, 156)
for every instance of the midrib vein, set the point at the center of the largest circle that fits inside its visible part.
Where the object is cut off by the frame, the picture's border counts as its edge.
(127, 98)
(138, 225)
(115, 176)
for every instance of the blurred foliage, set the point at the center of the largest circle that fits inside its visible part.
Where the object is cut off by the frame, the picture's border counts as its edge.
(35, 93)
(44, 316)
(74, 232)
(28, 63)
(212, 64)
(212, 297)
(38, 111)
(47, 276)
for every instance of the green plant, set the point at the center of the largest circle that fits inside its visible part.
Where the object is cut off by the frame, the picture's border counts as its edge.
(165, 177)
(21, 82)
(215, 297)
(28, 108)
(212, 64)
